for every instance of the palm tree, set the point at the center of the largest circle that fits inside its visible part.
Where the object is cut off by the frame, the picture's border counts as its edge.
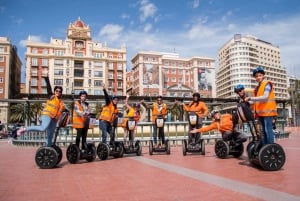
(25, 112)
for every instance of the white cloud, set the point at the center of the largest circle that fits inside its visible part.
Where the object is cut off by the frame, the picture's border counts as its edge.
(32, 38)
(125, 16)
(147, 10)
(147, 27)
(195, 4)
(111, 31)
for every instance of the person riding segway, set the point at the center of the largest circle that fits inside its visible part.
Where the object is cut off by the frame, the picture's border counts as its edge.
(81, 122)
(196, 111)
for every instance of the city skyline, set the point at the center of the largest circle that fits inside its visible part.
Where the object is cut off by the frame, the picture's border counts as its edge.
(189, 28)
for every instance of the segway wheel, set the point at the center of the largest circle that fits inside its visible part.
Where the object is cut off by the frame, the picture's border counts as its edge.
(73, 153)
(151, 147)
(221, 149)
(91, 151)
(46, 157)
(202, 147)
(271, 157)
(102, 151)
(239, 150)
(138, 148)
(119, 150)
(167, 146)
(59, 153)
(184, 146)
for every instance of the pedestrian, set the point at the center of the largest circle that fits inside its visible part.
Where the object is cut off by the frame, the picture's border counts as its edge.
(107, 117)
(264, 104)
(225, 125)
(80, 117)
(50, 115)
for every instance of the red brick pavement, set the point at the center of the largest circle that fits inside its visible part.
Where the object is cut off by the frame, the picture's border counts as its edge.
(158, 177)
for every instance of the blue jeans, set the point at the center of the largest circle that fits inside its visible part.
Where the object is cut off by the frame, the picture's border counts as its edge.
(267, 130)
(47, 124)
(105, 127)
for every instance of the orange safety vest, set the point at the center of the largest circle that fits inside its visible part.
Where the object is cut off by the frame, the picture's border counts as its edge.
(78, 121)
(54, 108)
(268, 108)
(156, 112)
(108, 113)
(131, 113)
(225, 124)
(200, 109)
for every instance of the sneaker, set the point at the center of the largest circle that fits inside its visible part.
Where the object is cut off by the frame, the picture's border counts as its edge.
(21, 131)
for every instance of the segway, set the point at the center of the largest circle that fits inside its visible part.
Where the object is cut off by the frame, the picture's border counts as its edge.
(132, 147)
(161, 147)
(74, 154)
(113, 148)
(194, 144)
(48, 157)
(270, 156)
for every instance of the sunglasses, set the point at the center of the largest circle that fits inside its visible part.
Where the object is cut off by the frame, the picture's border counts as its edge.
(58, 91)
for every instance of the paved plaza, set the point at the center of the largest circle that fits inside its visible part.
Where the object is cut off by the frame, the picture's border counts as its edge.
(171, 177)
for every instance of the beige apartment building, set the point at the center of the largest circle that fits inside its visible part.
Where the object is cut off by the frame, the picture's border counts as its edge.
(76, 63)
(10, 75)
(239, 56)
(166, 74)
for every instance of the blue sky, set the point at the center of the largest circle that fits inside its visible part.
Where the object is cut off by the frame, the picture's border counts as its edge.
(188, 27)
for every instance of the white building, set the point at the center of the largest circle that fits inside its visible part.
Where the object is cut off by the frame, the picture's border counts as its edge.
(239, 56)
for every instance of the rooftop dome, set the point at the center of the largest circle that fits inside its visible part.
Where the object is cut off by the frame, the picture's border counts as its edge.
(78, 23)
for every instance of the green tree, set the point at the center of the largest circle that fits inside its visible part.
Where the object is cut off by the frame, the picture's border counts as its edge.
(25, 112)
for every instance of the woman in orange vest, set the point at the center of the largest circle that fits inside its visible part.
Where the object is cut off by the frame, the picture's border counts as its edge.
(224, 124)
(50, 115)
(107, 116)
(80, 116)
(133, 112)
(199, 108)
(264, 104)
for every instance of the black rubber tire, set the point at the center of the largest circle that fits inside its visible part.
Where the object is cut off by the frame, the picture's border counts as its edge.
(73, 153)
(138, 148)
(221, 149)
(102, 151)
(239, 151)
(119, 149)
(46, 157)
(271, 157)
(167, 146)
(184, 145)
(203, 147)
(91, 151)
(59, 153)
(151, 147)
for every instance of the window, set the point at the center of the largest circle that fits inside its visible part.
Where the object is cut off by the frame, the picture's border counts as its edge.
(1, 79)
(45, 51)
(98, 73)
(58, 62)
(58, 72)
(58, 52)
(98, 92)
(1, 49)
(34, 51)
(98, 64)
(1, 69)
(58, 81)
(78, 54)
(34, 62)
(44, 62)
(97, 82)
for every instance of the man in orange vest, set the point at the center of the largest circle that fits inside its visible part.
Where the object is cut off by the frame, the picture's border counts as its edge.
(264, 104)
(199, 108)
(108, 115)
(80, 116)
(225, 125)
